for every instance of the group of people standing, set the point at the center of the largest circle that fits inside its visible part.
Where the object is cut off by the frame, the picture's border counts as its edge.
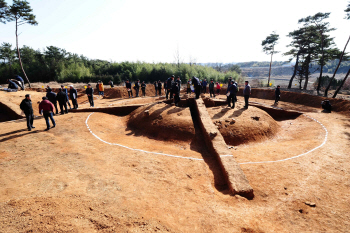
(48, 105)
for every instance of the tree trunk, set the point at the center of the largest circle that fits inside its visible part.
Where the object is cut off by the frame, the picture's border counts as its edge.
(268, 80)
(295, 71)
(307, 67)
(321, 71)
(19, 55)
(341, 85)
(319, 80)
(341, 57)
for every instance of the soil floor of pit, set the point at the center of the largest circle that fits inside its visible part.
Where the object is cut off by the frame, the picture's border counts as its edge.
(66, 180)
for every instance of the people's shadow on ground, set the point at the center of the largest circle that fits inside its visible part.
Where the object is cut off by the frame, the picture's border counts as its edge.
(18, 135)
(221, 113)
(238, 112)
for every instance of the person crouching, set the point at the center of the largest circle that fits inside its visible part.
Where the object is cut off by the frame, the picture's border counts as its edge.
(46, 109)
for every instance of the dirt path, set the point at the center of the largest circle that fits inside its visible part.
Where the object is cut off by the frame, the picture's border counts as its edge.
(66, 180)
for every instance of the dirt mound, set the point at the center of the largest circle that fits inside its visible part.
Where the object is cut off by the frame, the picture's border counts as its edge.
(243, 125)
(162, 121)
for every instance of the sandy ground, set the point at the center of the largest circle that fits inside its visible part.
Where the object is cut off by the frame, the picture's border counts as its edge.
(66, 180)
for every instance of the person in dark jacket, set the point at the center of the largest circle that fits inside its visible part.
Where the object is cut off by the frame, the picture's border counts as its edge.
(169, 85)
(20, 79)
(27, 108)
(111, 84)
(12, 85)
(143, 88)
(128, 87)
(159, 88)
(73, 94)
(197, 86)
(211, 88)
(204, 86)
(62, 100)
(46, 109)
(90, 93)
(277, 94)
(137, 87)
(232, 90)
(51, 96)
(326, 105)
(246, 93)
(176, 93)
(178, 81)
(66, 91)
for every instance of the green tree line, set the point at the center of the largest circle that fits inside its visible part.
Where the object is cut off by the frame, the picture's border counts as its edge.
(56, 64)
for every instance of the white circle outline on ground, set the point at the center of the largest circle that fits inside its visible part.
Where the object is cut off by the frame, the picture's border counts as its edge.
(190, 158)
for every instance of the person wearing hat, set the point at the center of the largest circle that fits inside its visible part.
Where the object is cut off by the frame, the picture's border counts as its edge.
(46, 109)
(62, 100)
(90, 93)
(66, 91)
(211, 88)
(73, 94)
(27, 108)
(128, 87)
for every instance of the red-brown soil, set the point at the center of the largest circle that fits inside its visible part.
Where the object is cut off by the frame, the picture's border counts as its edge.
(66, 180)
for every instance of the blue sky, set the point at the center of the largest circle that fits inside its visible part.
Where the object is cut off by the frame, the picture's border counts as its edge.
(153, 30)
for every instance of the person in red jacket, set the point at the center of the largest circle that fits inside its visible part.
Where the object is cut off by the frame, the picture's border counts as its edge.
(46, 108)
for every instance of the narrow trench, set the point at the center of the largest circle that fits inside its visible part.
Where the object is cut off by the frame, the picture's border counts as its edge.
(198, 141)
